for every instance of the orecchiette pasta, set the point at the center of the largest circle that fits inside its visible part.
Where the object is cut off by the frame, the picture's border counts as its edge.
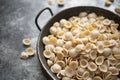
(84, 47)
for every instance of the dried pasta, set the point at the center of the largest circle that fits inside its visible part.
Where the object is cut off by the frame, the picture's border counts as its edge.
(84, 47)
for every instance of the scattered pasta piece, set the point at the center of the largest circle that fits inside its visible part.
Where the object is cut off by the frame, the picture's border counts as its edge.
(24, 55)
(51, 2)
(30, 51)
(60, 2)
(108, 2)
(117, 9)
(26, 41)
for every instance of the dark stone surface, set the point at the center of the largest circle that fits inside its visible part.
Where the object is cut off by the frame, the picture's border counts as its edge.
(17, 22)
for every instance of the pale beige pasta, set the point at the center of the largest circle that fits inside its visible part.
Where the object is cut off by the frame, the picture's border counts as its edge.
(26, 41)
(92, 15)
(93, 55)
(72, 53)
(103, 68)
(114, 70)
(86, 75)
(92, 66)
(106, 22)
(83, 14)
(55, 68)
(47, 53)
(97, 78)
(84, 47)
(99, 60)
(49, 62)
(83, 63)
(73, 64)
(112, 60)
(69, 72)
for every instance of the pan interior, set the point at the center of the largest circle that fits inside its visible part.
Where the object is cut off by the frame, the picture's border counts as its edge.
(65, 15)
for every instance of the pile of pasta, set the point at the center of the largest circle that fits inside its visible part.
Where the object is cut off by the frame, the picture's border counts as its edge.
(84, 47)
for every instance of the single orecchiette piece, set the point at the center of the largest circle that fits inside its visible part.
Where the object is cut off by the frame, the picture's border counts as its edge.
(49, 62)
(69, 72)
(99, 60)
(26, 42)
(103, 68)
(92, 66)
(83, 63)
(68, 36)
(73, 53)
(114, 70)
(56, 68)
(83, 14)
(73, 64)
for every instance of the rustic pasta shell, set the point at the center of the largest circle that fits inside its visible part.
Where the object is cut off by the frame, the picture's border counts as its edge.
(61, 74)
(80, 71)
(47, 53)
(107, 75)
(60, 55)
(100, 48)
(49, 62)
(88, 47)
(52, 39)
(116, 50)
(58, 49)
(112, 60)
(68, 36)
(83, 14)
(73, 64)
(93, 55)
(95, 33)
(103, 68)
(79, 47)
(107, 52)
(106, 43)
(99, 60)
(68, 44)
(106, 62)
(49, 47)
(59, 42)
(61, 63)
(56, 24)
(114, 70)
(68, 25)
(56, 68)
(106, 22)
(65, 52)
(53, 30)
(26, 41)
(30, 51)
(60, 34)
(92, 66)
(69, 72)
(86, 75)
(83, 63)
(73, 53)
(97, 78)
(62, 22)
(92, 15)
(46, 40)
(117, 56)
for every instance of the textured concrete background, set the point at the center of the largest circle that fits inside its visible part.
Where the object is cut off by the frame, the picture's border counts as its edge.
(17, 22)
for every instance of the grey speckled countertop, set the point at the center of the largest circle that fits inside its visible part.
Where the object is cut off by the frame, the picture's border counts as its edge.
(17, 22)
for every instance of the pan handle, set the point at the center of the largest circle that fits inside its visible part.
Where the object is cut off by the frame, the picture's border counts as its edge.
(36, 19)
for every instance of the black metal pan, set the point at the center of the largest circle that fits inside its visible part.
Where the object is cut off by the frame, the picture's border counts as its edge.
(65, 14)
